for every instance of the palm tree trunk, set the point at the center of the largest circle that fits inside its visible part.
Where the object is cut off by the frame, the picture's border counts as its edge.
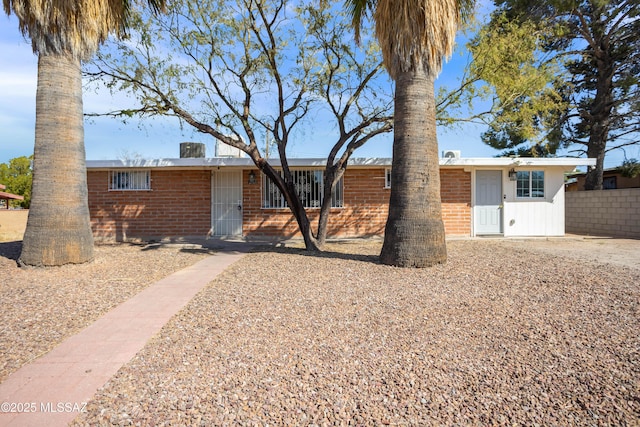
(58, 228)
(414, 233)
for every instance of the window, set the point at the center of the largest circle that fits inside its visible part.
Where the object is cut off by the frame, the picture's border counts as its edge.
(530, 184)
(609, 183)
(130, 180)
(387, 178)
(309, 185)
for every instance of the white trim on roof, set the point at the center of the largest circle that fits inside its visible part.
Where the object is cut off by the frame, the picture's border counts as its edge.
(169, 163)
(354, 162)
(518, 161)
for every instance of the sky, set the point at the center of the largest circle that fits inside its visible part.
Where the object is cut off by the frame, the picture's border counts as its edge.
(108, 138)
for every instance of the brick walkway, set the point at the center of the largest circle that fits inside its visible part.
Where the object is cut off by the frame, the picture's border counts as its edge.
(53, 389)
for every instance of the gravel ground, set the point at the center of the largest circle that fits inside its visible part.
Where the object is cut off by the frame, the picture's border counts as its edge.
(39, 308)
(499, 335)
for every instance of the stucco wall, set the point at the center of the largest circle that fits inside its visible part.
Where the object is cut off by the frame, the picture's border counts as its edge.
(606, 212)
(536, 217)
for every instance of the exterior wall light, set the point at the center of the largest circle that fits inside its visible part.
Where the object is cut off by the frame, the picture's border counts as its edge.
(252, 177)
(513, 175)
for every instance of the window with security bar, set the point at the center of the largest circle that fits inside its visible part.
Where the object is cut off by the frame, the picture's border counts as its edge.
(130, 180)
(309, 186)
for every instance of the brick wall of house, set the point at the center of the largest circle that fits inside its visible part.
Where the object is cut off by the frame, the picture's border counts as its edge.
(455, 192)
(364, 212)
(178, 205)
(365, 207)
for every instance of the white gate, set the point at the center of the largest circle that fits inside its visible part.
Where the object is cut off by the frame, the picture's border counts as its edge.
(226, 199)
(488, 210)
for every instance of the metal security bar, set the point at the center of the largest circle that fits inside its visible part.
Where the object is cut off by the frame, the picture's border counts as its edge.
(309, 185)
(129, 180)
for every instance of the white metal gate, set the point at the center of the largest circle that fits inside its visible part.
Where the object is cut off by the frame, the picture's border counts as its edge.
(488, 210)
(226, 199)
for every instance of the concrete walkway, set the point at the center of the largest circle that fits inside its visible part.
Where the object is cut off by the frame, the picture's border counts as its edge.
(53, 389)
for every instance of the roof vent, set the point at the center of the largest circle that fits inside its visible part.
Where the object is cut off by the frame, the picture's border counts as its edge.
(451, 154)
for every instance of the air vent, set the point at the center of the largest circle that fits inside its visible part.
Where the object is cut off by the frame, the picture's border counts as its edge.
(451, 154)
(192, 150)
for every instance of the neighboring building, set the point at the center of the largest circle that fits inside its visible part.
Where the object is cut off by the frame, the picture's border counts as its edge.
(5, 197)
(612, 179)
(222, 197)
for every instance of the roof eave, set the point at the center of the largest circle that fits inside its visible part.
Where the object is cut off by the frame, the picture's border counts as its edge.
(4, 195)
(358, 162)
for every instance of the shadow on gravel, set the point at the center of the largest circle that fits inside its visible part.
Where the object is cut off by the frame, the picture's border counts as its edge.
(195, 246)
(213, 246)
(11, 250)
(374, 259)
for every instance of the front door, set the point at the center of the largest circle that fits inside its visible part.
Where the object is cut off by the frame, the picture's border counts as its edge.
(488, 209)
(226, 199)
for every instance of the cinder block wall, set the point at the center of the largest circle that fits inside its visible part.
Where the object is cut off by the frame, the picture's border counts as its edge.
(605, 212)
(178, 205)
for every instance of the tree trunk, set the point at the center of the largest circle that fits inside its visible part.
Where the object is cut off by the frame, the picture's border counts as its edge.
(598, 134)
(331, 178)
(414, 233)
(594, 178)
(58, 228)
(599, 111)
(293, 200)
(300, 214)
(323, 222)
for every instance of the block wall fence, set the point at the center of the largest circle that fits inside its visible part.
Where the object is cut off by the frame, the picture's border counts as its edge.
(614, 213)
(179, 205)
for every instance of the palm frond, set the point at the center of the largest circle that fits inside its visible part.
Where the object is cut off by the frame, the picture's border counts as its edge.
(75, 27)
(418, 33)
(358, 10)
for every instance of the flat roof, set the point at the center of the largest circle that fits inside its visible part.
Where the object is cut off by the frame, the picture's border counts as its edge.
(244, 162)
(5, 196)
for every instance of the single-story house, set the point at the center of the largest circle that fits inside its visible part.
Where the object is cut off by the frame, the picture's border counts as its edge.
(612, 179)
(228, 196)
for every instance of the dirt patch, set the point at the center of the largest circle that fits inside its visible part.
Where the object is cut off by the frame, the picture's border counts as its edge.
(616, 251)
(12, 224)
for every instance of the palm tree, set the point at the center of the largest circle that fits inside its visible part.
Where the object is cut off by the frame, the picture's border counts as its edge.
(62, 33)
(414, 36)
